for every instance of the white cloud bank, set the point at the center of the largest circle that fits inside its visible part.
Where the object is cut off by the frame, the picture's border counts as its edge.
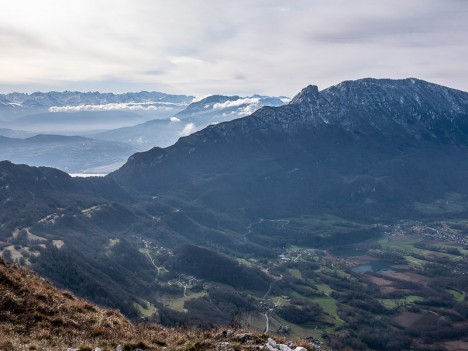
(235, 103)
(189, 128)
(248, 110)
(110, 107)
(271, 49)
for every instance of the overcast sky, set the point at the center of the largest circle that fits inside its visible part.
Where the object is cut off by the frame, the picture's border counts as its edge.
(242, 47)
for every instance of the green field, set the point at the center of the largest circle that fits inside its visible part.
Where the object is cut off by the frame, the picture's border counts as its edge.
(324, 288)
(146, 311)
(456, 295)
(328, 304)
(394, 303)
(178, 303)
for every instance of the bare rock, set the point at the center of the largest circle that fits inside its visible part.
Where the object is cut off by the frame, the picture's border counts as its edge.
(244, 337)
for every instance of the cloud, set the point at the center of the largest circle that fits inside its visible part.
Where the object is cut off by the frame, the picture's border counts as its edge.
(180, 60)
(112, 107)
(174, 119)
(189, 128)
(235, 103)
(272, 49)
(248, 110)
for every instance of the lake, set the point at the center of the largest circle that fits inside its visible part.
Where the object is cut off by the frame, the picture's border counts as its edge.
(377, 266)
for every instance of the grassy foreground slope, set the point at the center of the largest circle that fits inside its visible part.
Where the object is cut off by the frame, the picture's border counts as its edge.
(34, 315)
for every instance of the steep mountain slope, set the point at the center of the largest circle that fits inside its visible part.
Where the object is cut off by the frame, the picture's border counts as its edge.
(33, 312)
(369, 148)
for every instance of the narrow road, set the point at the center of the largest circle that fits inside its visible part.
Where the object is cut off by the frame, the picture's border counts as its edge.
(249, 227)
(151, 259)
(268, 291)
(267, 322)
(267, 314)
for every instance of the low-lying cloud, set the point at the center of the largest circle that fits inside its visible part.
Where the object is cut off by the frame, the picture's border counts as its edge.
(189, 128)
(113, 107)
(248, 110)
(235, 103)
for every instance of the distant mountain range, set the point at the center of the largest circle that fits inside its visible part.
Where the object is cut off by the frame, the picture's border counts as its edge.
(80, 113)
(84, 114)
(15, 105)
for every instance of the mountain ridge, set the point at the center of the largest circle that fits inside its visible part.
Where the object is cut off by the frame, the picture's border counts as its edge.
(306, 103)
(347, 133)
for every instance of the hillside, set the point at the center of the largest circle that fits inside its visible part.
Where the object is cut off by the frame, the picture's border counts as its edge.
(35, 315)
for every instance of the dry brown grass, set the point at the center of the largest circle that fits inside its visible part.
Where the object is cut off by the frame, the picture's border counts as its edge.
(34, 315)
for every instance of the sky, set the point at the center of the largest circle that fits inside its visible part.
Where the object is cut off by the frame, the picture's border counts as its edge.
(202, 47)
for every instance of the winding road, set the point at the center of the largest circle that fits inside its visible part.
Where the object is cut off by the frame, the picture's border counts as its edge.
(267, 314)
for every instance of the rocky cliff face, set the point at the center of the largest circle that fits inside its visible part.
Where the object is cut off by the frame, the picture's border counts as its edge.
(411, 106)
